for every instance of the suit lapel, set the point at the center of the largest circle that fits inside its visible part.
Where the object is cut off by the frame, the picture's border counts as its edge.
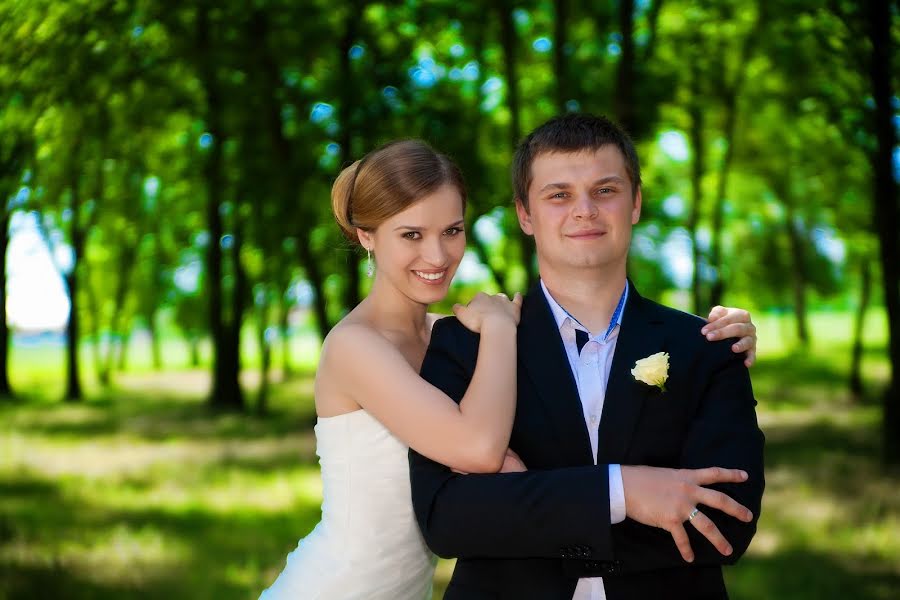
(543, 357)
(640, 336)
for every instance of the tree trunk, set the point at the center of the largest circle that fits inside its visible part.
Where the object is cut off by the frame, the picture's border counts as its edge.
(95, 333)
(194, 348)
(155, 345)
(856, 383)
(265, 360)
(232, 354)
(799, 274)
(509, 41)
(476, 170)
(73, 383)
(485, 258)
(284, 333)
(73, 391)
(562, 90)
(887, 211)
(317, 280)
(698, 166)
(717, 290)
(623, 99)
(730, 91)
(652, 26)
(5, 388)
(225, 393)
(347, 110)
(127, 255)
(124, 343)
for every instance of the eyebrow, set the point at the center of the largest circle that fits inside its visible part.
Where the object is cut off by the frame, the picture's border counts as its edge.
(565, 186)
(414, 228)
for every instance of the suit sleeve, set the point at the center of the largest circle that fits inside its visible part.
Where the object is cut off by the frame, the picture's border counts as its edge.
(724, 433)
(560, 513)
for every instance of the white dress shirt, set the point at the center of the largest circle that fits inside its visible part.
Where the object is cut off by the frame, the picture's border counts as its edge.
(591, 370)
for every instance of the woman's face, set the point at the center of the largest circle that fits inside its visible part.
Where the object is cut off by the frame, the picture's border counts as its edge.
(418, 250)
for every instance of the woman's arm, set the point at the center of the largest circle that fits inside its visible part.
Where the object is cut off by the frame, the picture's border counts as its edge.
(471, 436)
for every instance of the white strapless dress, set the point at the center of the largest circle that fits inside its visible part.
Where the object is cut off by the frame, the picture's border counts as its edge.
(367, 545)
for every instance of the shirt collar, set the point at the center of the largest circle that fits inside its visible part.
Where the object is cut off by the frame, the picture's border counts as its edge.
(561, 315)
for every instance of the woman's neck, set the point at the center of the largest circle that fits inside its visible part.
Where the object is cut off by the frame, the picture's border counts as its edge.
(390, 310)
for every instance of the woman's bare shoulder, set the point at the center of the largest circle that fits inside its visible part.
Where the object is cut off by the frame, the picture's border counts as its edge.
(350, 333)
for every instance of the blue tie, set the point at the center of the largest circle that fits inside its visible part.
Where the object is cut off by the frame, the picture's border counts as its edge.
(581, 338)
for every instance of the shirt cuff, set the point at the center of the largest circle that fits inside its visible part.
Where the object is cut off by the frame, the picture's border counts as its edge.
(616, 495)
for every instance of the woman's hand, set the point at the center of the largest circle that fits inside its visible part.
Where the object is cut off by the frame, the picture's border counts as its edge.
(725, 322)
(485, 308)
(512, 463)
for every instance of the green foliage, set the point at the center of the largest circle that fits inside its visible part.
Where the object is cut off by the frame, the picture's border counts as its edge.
(169, 141)
(115, 94)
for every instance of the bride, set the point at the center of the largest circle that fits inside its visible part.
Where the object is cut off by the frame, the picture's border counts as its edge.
(404, 204)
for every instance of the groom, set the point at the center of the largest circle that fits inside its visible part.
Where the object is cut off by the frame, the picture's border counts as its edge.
(616, 502)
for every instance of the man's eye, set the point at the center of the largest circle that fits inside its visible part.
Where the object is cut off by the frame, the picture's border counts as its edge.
(605, 190)
(559, 195)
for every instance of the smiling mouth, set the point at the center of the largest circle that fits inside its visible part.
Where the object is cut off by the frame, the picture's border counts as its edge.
(431, 277)
(587, 235)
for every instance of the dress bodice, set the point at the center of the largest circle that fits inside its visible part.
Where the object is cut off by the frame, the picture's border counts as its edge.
(367, 544)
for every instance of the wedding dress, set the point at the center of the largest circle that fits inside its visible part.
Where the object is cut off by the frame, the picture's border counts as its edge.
(367, 545)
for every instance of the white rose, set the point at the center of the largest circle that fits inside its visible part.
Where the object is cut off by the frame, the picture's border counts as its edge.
(653, 370)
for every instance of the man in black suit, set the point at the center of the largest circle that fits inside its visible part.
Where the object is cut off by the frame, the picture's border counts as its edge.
(633, 489)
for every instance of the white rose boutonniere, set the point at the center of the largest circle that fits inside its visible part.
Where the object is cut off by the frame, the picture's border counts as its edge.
(653, 370)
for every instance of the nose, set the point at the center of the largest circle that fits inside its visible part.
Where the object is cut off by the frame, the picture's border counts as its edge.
(434, 253)
(584, 206)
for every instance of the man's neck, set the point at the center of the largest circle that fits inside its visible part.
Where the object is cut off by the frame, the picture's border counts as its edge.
(590, 297)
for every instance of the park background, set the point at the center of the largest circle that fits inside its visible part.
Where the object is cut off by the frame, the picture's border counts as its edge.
(170, 264)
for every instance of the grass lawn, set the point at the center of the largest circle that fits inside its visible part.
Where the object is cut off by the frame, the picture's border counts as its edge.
(141, 492)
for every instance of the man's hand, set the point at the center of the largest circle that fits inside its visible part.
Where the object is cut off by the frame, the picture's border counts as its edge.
(666, 498)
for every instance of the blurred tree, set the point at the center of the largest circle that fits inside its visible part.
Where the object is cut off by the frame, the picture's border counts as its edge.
(16, 158)
(878, 21)
(13, 160)
(709, 45)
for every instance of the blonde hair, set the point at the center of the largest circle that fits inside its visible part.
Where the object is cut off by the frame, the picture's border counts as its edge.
(387, 181)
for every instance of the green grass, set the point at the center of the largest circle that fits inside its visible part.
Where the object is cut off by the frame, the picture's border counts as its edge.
(141, 492)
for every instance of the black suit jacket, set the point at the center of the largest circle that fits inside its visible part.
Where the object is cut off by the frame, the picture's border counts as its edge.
(532, 535)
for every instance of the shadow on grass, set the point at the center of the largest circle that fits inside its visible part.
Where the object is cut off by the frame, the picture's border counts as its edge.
(153, 416)
(796, 572)
(808, 444)
(206, 553)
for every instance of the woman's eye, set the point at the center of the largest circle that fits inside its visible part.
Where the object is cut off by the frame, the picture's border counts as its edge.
(453, 231)
(411, 235)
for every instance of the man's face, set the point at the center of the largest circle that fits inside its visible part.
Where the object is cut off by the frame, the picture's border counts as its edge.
(581, 209)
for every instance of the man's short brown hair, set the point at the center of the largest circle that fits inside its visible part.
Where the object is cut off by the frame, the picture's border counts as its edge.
(572, 132)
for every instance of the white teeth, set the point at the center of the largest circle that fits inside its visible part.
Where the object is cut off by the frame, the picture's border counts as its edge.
(430, 276)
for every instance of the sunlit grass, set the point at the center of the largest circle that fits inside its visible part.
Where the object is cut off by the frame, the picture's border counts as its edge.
(141, 491)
